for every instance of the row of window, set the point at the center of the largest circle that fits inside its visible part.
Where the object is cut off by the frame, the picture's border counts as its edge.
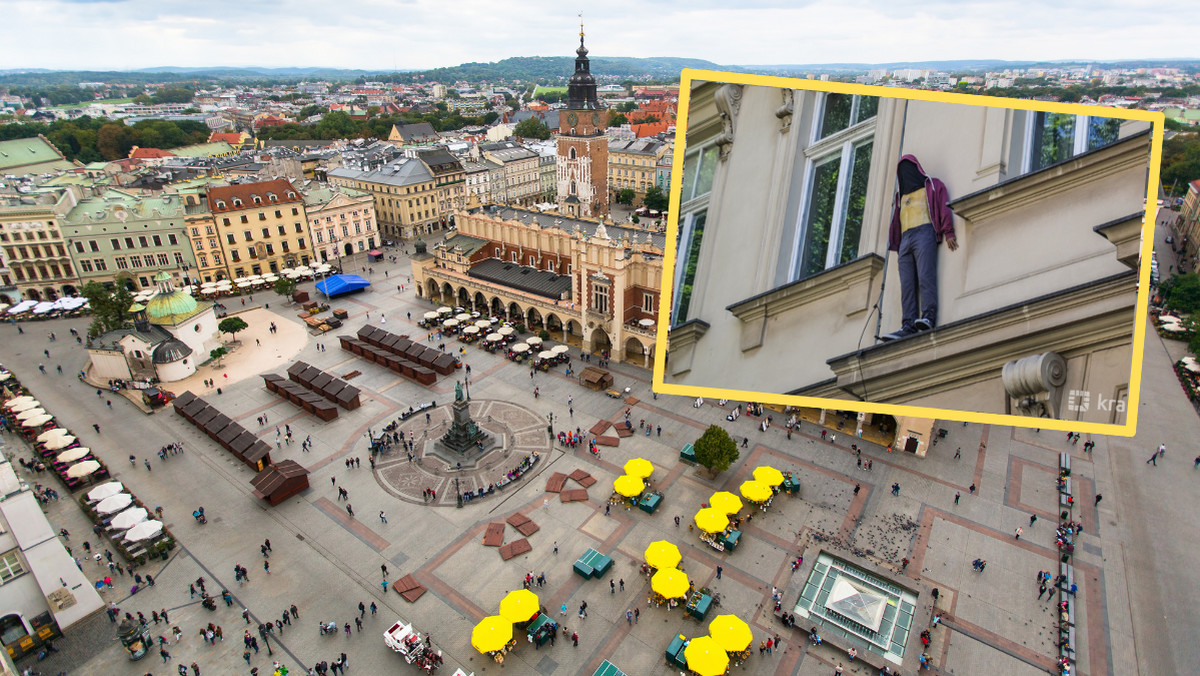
(115, 243)
(268, 249)
(28, 237)
(262, 216)
(23, 252)
(28, 272)
(257, 199)
(147, 260)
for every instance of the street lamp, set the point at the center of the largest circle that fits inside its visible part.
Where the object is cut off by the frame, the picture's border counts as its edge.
(458, 494)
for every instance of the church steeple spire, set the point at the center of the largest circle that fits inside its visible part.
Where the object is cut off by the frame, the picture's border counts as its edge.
(581, 90)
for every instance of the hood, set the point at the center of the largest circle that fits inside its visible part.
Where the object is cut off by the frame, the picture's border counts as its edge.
(910, 175)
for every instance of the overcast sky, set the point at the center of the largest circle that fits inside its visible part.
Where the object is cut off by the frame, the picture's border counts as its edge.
(405, 34)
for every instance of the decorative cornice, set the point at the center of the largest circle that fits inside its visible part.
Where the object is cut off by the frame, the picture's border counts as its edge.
(728, 99)
(1073, 322)
(844, 277)
(784, 112)
(1127, 154)
(1126, 234)
(687, 334)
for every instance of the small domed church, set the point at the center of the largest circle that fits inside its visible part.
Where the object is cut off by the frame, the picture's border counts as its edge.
(169, 337)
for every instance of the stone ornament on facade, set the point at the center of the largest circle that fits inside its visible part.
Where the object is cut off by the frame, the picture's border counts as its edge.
(784, 112)
(728, 100)
(1036, 384)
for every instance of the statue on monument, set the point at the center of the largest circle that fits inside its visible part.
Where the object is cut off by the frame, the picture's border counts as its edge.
(458, 391)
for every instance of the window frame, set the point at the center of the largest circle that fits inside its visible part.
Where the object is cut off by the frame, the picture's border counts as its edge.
(1079, 142)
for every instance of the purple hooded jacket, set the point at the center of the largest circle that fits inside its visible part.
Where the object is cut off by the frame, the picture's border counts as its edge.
(937, 199)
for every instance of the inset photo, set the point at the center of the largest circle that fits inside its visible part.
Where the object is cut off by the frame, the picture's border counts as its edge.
(909, 252)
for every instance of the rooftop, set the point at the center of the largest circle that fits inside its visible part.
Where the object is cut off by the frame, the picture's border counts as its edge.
(539, 282)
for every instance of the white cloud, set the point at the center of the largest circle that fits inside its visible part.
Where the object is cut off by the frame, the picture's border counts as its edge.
(383, 34)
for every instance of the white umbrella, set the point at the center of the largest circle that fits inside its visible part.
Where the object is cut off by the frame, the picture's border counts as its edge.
(22, 406)
(56, 432)
(23, 306)
(505, 330)
(471, 330)
(463, 317)
(30, 413)
(18, 400)
(494, 338)
(534, 340)
(43, 307)
(560, 349)
(109, 505)
(443, 310)
(82, 469)
(431, 315)
(483, 324)
(243, 285)
(73, 454)
(284, 271)
(646, 322)
(545, 354)
(520, 347)
(4, 306)
(450, 323)
(144, 531)
(254, 278)
(129, 518)
(105, 491)
(208, 285)
(270, 277)
(37, 422)
(304, 270)
(58, 441)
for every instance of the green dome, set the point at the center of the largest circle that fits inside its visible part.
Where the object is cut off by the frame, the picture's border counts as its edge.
(167, 304)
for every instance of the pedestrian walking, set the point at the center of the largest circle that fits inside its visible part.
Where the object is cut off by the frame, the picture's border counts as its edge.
(1153, 459)
(957, 495)
(971, 489)
(267, 567)
(1099, 497)
(382, 517)
(958, 453)
(719, 571)
(896, 489)
(1032, 519)
(1018, 532)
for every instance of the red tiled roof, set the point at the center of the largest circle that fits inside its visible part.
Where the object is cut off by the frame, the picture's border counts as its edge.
(649, 128)
(148, 153)
(246, 193)
(230, 138)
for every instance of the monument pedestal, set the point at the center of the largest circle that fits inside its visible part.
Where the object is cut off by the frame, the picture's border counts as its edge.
(466, 442)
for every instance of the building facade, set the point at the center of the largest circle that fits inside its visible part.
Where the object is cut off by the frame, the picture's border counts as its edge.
(342, 222)
(31, 234)
(586, 284)
(784, 234)
(582, 146)
(633, 165)
(262, 226)
(122, 239)
(449, 179)
(405, 193)
(522, 177)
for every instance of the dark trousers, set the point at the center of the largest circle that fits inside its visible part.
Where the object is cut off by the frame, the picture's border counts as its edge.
(917, 259)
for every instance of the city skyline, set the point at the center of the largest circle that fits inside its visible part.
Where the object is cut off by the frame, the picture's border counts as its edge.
(73, 34)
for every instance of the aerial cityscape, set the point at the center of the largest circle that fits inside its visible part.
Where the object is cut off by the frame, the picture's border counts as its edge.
(371, 348)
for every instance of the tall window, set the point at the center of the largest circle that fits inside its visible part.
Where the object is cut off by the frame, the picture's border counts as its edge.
(838, 162)
(1056, 137)
(10, 566)
(699, 168)
(600, 297)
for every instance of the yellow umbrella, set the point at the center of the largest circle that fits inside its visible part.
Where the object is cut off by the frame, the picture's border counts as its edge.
(726, 502)
(628, 486)
(672, 583)
(711, 520)
(768, 475)
(755, 492)
(730, 632)
(639, 467)
(492, 633)
(706, 657)
(663, 554)
(519, 605)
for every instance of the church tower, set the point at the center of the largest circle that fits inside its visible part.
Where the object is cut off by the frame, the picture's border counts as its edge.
(582, 163)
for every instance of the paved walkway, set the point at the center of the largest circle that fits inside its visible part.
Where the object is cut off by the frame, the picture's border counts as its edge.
(1135, 556)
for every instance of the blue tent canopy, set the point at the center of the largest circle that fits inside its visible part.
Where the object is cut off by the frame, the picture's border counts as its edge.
(339, 284)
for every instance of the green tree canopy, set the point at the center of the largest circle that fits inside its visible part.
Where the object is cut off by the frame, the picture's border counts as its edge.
(110, 307)
(285, 287)
(532, 128)
(656, 199)
(715, 449)
(1182, 293)
(625, 196)
(232, 325)
(216, 353)
(616, 119)
(626, 107)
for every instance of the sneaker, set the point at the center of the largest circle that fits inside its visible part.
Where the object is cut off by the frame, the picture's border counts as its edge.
(904, 332)
(923, 324)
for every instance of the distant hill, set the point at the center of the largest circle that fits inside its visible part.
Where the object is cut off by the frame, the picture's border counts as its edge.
(551, 69)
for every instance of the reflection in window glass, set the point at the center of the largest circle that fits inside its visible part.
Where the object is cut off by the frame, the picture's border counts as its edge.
(856, 202)
(867, 107)
(837, 114)
(689, 249)
(1053, 139)
(823, 193)
(1102, 131)
(701, 165)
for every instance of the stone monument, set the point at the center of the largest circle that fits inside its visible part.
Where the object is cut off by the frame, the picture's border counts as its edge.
(465, 440)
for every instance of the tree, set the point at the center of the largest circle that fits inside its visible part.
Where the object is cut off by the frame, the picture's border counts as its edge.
(625, 196)
(626, 107)
(655, 199)
(532, 128)
(616, 119)
(232, 325)
(1182, 293)
(715, 449)
(216, 354)
(285, 287)
(110, 307)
